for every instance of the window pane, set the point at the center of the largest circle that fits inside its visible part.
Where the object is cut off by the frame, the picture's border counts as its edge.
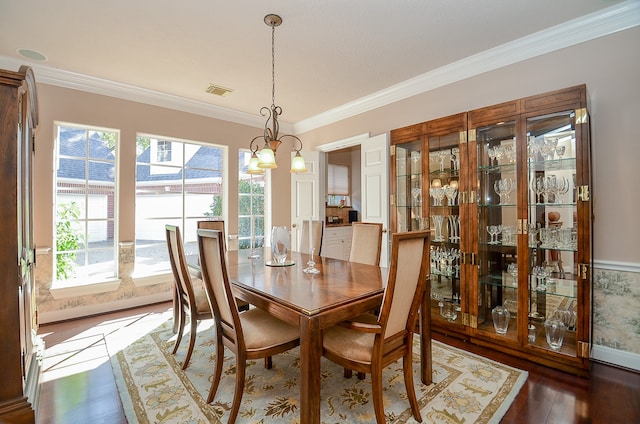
(250, 205)
(177, 183)
(85, 205)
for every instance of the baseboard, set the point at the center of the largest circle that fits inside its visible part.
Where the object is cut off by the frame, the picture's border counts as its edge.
(95, 309)
(616, 357)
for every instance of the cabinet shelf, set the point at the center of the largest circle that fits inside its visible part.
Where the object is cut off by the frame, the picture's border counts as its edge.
(567, 164)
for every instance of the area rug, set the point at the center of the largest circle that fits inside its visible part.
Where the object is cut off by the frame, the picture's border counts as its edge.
(466, 388)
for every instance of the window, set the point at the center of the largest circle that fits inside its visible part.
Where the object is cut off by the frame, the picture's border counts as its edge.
(180, 187)
(338, 185)
(251, 205)
(163, 153)
(85, 205)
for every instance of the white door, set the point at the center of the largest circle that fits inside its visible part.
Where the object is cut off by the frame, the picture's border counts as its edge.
(307, 194)
(374, 159)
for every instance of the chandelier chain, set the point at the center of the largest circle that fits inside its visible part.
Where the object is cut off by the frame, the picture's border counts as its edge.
(273, 65)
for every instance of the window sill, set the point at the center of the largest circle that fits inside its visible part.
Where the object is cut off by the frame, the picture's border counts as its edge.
(64, 292)
(152, 279)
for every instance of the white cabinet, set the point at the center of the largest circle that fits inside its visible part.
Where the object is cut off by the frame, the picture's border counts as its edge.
(336, 242)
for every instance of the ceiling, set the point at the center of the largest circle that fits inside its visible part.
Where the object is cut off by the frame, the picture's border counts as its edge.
(330, 55)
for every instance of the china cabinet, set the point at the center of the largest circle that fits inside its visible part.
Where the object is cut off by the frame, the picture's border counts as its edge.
(505, 192)
(21, 352)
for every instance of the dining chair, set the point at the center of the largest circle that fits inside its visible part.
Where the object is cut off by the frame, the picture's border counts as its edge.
(219, 225)
(366, 241)
(318, 230)
(250, 334)
(190, 298)
(370, 343)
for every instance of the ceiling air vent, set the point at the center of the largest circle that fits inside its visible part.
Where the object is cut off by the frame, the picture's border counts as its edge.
(218, 90)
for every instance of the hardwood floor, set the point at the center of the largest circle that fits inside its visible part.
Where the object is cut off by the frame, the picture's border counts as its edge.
(78, 384)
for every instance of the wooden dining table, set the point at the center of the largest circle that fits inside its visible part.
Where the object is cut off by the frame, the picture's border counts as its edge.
(313, 302)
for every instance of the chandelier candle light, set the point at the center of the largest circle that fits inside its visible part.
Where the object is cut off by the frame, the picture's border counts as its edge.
(266, 159)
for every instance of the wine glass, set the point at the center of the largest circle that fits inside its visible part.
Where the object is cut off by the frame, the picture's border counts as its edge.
(450, 192)
(512, 269)
(492, 155)
(560, 151)
(415, 193)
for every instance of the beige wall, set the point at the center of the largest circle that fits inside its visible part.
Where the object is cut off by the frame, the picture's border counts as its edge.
(609, 66)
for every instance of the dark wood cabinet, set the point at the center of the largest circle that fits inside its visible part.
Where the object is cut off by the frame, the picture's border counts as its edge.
(22, 350)
(505, 192)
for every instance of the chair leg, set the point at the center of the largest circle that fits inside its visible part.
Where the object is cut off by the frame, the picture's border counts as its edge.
(376, 394)
(237, 395)
(181, 319)
(217, 373)
(268, 362)
(348, 373)
(361, 376)
(192, 341)
(407, 370)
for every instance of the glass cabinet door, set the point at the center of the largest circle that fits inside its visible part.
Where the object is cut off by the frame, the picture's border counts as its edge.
(444, 213)
(409, 192)
(497, 260)
(552, 290)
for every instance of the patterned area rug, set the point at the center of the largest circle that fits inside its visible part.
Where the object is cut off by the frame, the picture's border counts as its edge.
(466, 388)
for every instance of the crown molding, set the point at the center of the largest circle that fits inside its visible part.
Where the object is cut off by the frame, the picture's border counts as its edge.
(607, 21)
(75, 81)
(598, 24)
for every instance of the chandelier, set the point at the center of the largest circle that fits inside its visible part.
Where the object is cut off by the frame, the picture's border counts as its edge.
(266, 157)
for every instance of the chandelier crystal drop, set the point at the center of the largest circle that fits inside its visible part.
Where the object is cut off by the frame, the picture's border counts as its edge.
(265, 158)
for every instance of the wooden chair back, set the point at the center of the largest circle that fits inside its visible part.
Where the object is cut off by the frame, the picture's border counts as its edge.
(215, 225)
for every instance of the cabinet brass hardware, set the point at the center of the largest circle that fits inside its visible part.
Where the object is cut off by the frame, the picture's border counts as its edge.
(583, 193)
(583, 350)
(582, 117)
(392, 150)
(468, 258)
(463, 197)
(465, 319)
(392, 200)
(522, 226)
(472, 196)
(583, 270)
(472, 135)
(474, 321)
(463, 137)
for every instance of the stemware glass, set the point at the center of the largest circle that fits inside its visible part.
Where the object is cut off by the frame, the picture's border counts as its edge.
(451, 193)
(455, 158)
(415, 193)
(507, 233)
(560, 151)
(493, 231)
(491, 152)
(503, 188)
(499, 152)
(438, 220)
(311, 264)
(512, 269)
